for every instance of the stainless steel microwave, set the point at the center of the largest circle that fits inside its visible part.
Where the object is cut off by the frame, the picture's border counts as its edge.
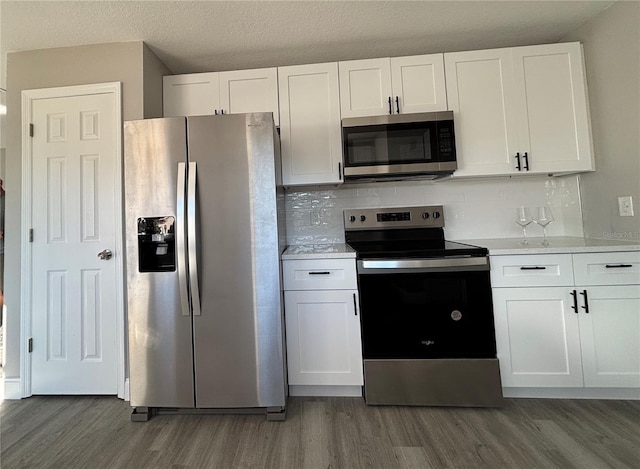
(403, 146)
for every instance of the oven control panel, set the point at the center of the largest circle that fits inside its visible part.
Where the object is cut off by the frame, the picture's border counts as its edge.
(429, 216)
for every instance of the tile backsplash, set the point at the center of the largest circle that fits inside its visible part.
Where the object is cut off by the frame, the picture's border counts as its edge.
(472, 208)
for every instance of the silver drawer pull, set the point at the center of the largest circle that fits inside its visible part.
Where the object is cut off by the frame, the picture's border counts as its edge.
(532, 267)
(319, 273)
(617, 266)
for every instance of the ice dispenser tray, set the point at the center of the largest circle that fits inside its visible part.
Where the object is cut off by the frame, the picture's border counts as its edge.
(156, 244)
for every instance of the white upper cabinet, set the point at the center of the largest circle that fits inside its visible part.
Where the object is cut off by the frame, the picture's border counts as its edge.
(398, 85)
(520, 110)
(232, 92)
(195, 94)
(310, 131)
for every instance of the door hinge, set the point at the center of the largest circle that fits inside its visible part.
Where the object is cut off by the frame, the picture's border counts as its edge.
(30, 130)
(31, 235)
(30, 344)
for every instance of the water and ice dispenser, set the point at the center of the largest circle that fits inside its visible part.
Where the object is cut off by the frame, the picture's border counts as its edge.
(156, 244)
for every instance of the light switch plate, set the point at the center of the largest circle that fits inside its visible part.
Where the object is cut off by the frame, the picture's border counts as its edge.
(625, 206)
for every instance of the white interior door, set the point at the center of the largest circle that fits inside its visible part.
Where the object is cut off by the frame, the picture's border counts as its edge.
(74, 297)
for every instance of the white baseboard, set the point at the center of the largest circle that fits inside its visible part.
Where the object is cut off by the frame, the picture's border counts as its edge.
(326, 391)
(12, 388)
(573, 393)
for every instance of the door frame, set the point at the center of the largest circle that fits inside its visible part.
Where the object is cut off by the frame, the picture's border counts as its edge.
(28, 97)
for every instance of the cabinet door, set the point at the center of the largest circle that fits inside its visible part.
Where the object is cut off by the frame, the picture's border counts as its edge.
(194, 94)
(244, 91)
(537, 337)
(418, 83)
(553, 122)
(310, 129)
(610, 336)
(323, 338)
(480, 93)
(365, 88)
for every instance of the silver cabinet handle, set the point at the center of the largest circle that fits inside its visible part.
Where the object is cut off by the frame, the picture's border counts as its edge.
(181, 233)
(105, 255)
(193, 239)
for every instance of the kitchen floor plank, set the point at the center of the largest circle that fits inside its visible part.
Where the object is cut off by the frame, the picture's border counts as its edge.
(327, 433)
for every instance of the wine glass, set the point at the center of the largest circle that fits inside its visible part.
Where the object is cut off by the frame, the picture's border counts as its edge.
(523, 218)
(544, 216)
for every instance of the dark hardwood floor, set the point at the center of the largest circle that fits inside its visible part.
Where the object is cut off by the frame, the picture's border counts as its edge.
(96, 432)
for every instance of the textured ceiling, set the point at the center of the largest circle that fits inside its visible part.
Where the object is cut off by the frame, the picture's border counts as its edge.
(214, 35)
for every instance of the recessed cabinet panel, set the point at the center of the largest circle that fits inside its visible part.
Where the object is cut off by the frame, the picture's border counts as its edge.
(610, 337)
(319, 274)
(323, 338)
(244, 91)
(365, 87)
(554, 128)
(538, 340)
(194, 94)
(418, 82)
(607, 268)
(479, 92)
(532, 271)
(310, 130)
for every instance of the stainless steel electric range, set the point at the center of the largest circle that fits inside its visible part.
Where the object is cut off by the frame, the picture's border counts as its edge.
(426, 311)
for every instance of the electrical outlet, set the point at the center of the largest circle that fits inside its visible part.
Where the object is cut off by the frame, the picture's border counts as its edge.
(625, 206)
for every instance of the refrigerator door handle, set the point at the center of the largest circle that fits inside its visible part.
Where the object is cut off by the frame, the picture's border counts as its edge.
(181, 255)
(192, 236)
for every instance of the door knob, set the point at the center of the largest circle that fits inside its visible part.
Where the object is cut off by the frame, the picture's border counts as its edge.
(105, 255)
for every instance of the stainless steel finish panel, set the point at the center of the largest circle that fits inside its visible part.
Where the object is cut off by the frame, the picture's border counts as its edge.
(238, 339)
(457, 264)
(181, 240)
(160, 355)
(192, 236)
(399, 169)
(416, 220)
(397, 119)
(437, 382)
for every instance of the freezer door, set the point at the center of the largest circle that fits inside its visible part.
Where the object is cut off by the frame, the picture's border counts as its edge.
(159, 320)
(239, 359)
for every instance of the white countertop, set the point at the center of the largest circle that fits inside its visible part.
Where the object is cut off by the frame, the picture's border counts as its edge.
(319, 251)
(557, 245)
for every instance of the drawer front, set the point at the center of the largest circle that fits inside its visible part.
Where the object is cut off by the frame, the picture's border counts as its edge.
(607, 268)
(532, 271)
(320, 274)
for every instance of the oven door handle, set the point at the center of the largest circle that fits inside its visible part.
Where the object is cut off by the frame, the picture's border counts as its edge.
(423, 265)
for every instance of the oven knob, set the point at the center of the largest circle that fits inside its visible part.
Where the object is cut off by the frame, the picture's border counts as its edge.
(425, 215)
(352, 218)
(436, 214)
(362, 218)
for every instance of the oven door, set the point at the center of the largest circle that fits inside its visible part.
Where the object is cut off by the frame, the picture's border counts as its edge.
(433, 308)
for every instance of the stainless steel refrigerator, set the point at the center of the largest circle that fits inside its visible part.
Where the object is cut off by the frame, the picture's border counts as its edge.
(203, 202)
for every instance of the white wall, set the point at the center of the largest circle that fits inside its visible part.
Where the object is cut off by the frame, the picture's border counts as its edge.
(611, 43)
(473, 208)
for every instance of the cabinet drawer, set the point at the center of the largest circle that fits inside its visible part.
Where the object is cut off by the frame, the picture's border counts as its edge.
(607, 268)
(320, 274)
(532, 271)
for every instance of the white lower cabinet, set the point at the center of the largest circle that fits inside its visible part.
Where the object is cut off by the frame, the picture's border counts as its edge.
(323, 338)
(570, 336)
(324, 349)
